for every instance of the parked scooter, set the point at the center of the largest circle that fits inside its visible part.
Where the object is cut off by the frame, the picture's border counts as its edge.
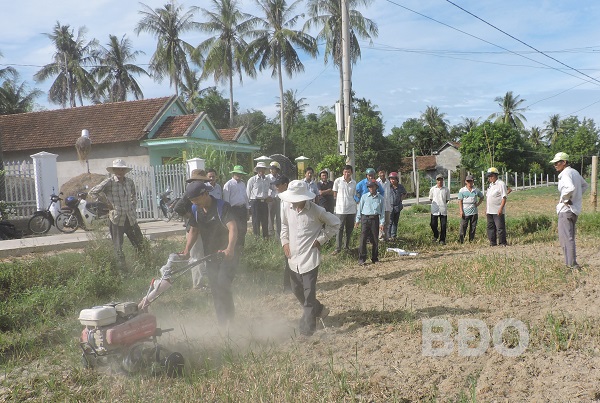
(79, 213)
(164, 202)
(43, 220)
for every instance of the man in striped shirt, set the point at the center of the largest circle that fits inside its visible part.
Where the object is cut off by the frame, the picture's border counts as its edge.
(119, 192)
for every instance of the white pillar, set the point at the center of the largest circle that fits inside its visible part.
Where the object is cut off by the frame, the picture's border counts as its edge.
(482, 180)
(516, 184)
(195, 163)
(46, 178)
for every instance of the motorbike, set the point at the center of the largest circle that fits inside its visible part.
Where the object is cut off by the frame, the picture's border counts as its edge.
(79, 213)
(164, 201)
(43, 220)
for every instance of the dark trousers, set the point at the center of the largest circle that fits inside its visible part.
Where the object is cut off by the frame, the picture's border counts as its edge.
(304, 287)
(369, 230)
(220, 279)
(496, 229)
(133, 232)
(393, 228)
(240, 214)
(469, 221)
(347, 225)
(441, 234)
(260, 217)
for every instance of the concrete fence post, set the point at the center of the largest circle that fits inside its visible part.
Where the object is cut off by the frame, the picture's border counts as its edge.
(46, 178)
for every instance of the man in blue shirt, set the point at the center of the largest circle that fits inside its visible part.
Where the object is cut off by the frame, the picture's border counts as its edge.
(361, 187)
(371, 215)
(469, 198)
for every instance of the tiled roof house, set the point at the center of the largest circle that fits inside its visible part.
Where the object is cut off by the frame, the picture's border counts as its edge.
(144, 132)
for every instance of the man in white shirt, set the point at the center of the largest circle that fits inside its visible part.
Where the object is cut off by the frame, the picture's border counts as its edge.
(259, 194)
(305, 226)
(274, 206)
(495, 208)
(571, 187)
(344, 189)
(234, 193)
(439, 195)
(387, 199)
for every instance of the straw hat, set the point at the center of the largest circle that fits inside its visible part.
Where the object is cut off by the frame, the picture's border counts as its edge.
(198, 175)
(119, 164)
(296, 192)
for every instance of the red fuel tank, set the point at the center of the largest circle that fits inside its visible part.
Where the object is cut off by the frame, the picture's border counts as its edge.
(138, 328)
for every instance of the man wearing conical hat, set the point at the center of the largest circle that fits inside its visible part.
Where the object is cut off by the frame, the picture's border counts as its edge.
(119, 192)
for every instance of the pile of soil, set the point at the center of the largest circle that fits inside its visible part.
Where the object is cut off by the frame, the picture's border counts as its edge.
(81, 183)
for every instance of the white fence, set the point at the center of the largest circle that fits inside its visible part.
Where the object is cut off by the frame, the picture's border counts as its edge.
(19, 187)
(19, 181)
(150, 182)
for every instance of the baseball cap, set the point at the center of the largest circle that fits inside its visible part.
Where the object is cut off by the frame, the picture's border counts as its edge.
(372, 184)
(439, 176)
(469, 178)
(197, 188)
(560, 157)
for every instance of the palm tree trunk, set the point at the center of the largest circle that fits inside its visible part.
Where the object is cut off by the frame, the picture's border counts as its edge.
(230, 99)
(279, 73)
(342, 132)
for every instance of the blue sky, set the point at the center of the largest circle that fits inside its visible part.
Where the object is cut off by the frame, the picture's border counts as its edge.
(415, 61)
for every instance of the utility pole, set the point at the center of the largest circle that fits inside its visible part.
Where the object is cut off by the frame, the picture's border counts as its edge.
(347, 84)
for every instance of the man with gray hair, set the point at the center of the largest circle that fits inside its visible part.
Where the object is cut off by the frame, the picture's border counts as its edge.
(571, 187)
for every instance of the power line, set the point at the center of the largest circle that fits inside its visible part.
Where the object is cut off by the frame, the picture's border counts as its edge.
(493, 44)
(520, 41)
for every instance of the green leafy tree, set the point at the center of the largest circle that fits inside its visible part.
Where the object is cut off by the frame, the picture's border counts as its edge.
(215, 106)
(190, 89)
(294, 108)
(495, 144)
(435, 133)
(275, 42)
(16, 97)
(314, 136)
(553, 128)
(226, 50)
(372, 149)
(167, 25)
(404, 138)
(116, 70)
(536, 136)
(512, 112)
(334, 163)
(73, 82)
(4, 72)
(578, 139)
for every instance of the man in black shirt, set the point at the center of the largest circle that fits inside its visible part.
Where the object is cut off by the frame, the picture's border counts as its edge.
(325, 186)
(213, 221)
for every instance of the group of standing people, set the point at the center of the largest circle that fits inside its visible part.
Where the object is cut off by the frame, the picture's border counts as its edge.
(306, 213)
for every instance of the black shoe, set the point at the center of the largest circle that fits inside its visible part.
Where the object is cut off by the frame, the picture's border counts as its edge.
(374, 260)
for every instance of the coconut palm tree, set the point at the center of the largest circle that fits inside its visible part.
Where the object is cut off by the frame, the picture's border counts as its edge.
(191, 90)
(15, 97)
(273, 46)
(73, 82)
(167, 24)
(294, 108)
(536, 135)
(436, 130)
(326, 15)
(7, 70)
(226, 49)
(116, 70)
(553, 128)
(511, 110)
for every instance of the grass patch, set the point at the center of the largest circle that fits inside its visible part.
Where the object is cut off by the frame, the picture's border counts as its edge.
(563, 332)
(491, 273)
